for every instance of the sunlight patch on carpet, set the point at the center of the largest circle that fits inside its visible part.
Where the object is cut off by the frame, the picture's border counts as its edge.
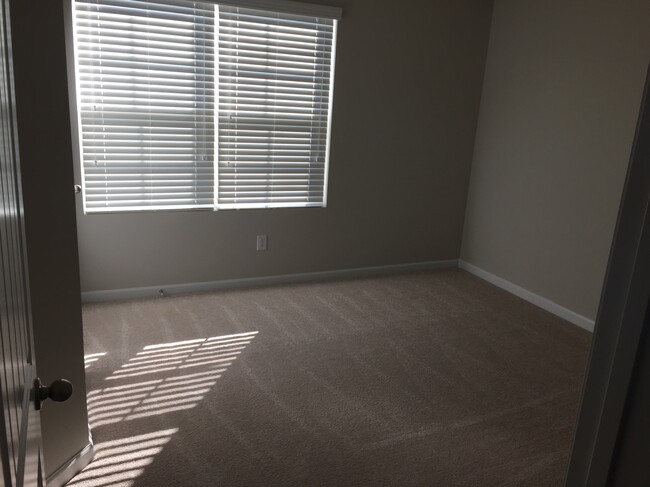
(91, 358)
(150, 384)
(120, 462)
(161, 379)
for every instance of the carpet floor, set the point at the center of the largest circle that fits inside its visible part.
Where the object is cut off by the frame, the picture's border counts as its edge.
(426, 379)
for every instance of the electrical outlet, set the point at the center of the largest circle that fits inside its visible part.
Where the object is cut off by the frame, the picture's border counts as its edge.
(261, 242)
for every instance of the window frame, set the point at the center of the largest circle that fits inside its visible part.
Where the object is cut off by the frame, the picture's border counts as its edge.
(274, 6)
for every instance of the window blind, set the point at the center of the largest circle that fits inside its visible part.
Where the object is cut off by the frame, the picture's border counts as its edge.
(194, 105)
(274, 97)
(146, 103)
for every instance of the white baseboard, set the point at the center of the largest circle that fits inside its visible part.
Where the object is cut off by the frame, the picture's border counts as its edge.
(197, 287)
(536, 299)
(72, 467)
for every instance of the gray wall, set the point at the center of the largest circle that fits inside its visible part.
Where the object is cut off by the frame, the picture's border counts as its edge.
(408, 84)
(47, 176)
(561, 96)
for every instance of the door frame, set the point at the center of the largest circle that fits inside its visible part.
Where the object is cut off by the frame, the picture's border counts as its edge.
(619, 326)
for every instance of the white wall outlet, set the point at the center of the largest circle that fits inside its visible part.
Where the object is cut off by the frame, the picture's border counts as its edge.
(261, 242)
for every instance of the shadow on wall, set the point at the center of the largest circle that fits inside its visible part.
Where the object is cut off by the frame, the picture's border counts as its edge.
(160, 380)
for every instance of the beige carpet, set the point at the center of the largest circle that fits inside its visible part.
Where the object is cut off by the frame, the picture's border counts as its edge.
(431, 379)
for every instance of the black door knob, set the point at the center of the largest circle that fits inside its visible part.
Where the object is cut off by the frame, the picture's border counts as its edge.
(60, 390)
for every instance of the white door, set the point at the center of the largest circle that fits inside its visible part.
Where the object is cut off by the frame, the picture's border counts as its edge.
(19, 425)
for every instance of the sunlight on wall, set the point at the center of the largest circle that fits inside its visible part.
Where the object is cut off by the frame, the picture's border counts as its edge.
(160, 379)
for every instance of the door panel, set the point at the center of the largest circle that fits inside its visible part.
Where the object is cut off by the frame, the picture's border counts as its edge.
(19, 423)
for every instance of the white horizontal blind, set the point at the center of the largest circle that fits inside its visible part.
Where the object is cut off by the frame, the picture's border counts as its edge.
(155, 77)
(145, 82)
(275, 74)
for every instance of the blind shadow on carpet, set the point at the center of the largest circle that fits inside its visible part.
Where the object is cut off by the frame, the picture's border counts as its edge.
(160, 379)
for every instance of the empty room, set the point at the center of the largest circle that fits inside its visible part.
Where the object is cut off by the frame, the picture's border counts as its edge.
(344, 243)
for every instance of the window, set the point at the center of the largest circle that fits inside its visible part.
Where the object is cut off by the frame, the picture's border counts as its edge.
(186, 105)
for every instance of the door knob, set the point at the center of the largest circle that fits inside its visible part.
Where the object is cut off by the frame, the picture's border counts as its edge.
(60, 390)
